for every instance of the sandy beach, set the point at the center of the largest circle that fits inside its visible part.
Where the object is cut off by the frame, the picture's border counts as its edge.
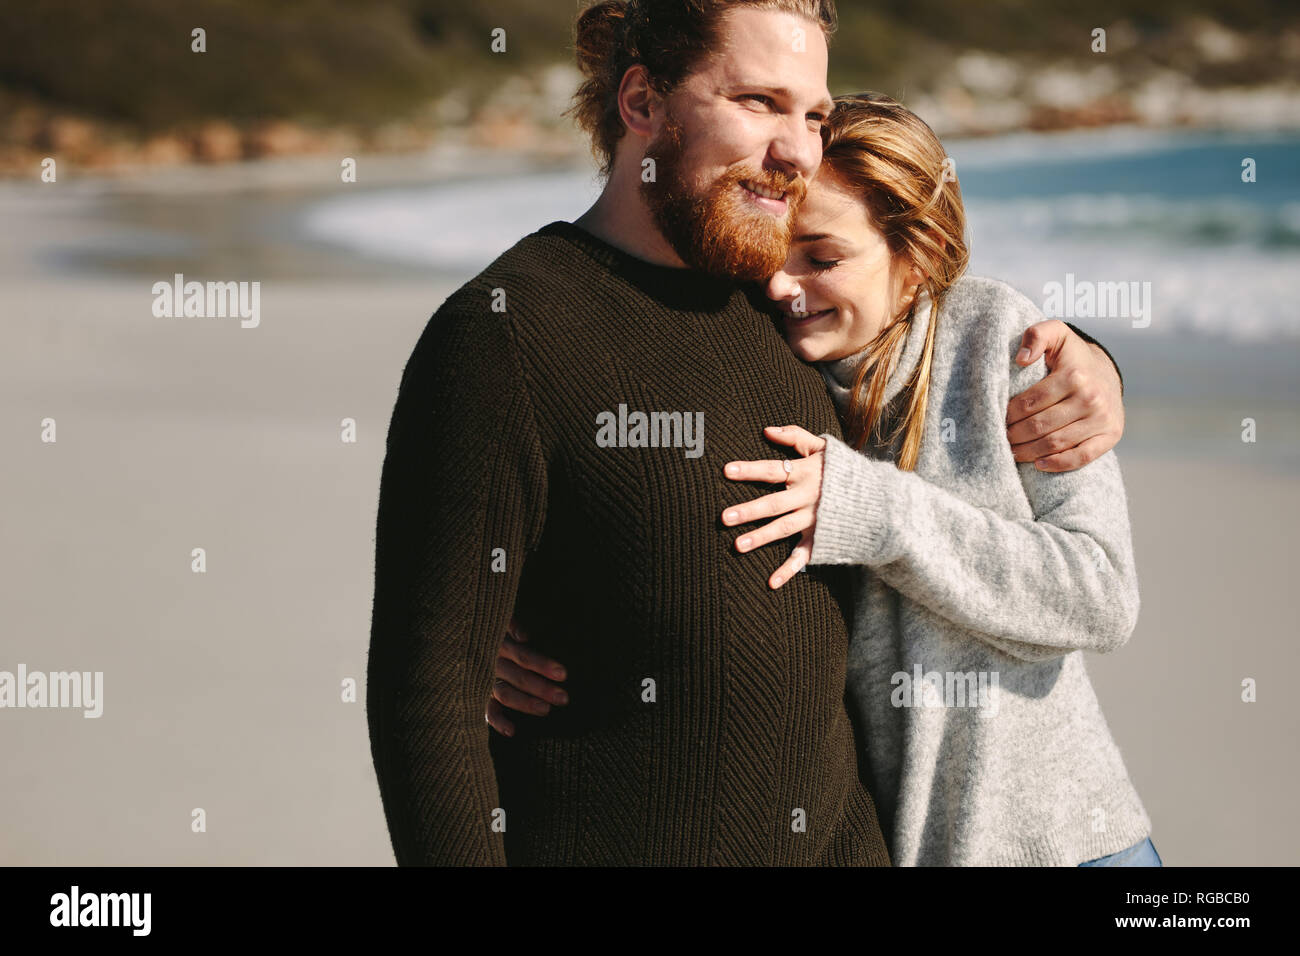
(223, 690)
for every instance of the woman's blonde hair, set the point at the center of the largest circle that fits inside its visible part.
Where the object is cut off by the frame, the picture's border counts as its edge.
(875, 146)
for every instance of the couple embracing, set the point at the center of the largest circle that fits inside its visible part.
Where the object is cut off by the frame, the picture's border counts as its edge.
(847, 632)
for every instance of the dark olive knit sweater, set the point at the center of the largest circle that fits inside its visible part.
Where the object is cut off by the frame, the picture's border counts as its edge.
(707, 722)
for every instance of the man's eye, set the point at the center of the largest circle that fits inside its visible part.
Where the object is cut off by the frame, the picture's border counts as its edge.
(821, 265)
(766, 100)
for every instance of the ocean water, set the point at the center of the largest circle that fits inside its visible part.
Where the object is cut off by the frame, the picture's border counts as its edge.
(1222, 256)
(1120, 205)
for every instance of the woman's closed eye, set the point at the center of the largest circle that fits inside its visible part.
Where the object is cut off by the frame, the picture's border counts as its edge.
(822, 265)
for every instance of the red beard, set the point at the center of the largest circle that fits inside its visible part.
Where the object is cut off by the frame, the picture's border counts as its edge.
(719, 232)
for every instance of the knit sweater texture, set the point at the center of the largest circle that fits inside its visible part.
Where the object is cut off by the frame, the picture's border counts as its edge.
(707, 722)
(981, 583)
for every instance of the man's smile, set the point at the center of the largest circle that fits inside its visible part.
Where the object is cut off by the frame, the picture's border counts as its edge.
(773, 200)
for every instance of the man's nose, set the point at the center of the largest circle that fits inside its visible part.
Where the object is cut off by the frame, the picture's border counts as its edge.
(797, 149)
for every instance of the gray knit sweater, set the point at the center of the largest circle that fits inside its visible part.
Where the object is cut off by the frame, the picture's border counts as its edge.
(982, 580)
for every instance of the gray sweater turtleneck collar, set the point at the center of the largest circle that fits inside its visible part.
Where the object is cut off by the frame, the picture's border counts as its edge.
(839, 373)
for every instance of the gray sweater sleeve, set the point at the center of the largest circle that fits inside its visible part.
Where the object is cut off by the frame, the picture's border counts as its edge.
(1035, 587)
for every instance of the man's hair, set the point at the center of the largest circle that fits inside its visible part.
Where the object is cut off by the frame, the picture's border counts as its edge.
(668, 37)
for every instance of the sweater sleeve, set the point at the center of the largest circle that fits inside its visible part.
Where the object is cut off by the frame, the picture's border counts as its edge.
(462, 499)
(1035, 588)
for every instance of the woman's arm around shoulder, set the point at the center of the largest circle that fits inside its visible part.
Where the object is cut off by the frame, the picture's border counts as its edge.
(1036, 587)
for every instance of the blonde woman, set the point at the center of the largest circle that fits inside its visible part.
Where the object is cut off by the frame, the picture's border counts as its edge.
(980, 580)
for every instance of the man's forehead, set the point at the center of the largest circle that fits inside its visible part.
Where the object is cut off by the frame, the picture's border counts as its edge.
(772, 28)
(761, 48)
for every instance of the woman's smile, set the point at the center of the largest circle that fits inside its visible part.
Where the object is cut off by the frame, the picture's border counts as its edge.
(799, 319)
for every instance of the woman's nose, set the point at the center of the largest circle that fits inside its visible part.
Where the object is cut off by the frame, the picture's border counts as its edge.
(781, 286)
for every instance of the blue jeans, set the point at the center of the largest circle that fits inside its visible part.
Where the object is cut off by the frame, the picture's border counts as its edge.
(1139, 854)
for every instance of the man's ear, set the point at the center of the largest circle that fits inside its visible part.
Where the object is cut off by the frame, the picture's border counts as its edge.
(637, 101)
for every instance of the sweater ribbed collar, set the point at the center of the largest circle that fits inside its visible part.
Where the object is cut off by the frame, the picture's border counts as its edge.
(675, 286)
(839, 373)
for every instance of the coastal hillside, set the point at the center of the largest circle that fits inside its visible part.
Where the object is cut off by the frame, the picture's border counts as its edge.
(105, 84)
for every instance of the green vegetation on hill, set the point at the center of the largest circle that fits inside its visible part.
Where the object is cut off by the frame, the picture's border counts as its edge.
(313, 60)
(331, 61)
